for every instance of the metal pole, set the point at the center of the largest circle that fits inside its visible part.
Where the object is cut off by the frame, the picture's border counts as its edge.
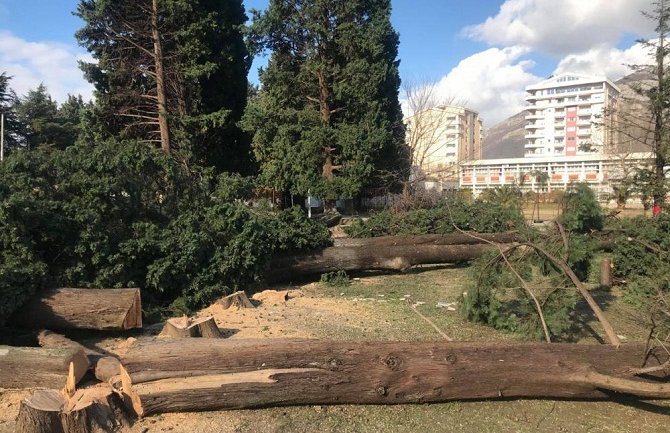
(2, 136)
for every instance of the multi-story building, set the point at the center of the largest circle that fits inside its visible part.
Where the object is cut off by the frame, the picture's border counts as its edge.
(568, 115)
(441, 138)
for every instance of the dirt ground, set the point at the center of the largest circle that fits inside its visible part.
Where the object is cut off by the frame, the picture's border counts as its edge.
(377, 307)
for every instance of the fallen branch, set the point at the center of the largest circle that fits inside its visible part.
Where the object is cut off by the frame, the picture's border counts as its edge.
(430, 322)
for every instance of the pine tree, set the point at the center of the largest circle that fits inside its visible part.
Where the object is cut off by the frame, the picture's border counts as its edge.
(327, 119)
(170, 72)
(13, 128)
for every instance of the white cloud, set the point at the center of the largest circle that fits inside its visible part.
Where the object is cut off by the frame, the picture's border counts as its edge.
(51, 63)
(604, 60)
(490, 82)
(562, 27)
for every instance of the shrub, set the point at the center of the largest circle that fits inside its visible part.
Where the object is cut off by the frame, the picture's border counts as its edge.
(123, 214)
(477, 216)
(336, 279)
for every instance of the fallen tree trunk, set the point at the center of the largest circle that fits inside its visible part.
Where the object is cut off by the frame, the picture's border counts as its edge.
(400, 257)
(97, 309)
(29, 367)
(197, 375)
(455, 238)
(105, 367)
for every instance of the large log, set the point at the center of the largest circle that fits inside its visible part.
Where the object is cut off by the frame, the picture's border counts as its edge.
(97, 309)
(29, 367)
(197, 375)
(105, 367)
(455, 238)
(397, 253)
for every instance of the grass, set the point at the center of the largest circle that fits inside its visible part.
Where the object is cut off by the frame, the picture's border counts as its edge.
(381, 313)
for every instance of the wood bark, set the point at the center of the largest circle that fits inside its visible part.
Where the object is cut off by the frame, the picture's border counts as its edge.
(198, 375)
(398, 254)
(105, 367)
(606, 273)
(29, 367)
(182, 327)
(455, 238)
(97, 309)
(161, 92)
(92, 410)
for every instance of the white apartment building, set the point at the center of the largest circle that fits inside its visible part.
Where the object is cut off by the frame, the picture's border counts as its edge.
(568, 116)
(441, 138)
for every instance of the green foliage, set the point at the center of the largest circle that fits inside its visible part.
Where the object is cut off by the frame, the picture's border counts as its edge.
(205, 63)
(642, 258)
(581, 211)
(336, 279)
(508, 196)
(327, 119)
(122, 214)
(496, 297)
(477, 216)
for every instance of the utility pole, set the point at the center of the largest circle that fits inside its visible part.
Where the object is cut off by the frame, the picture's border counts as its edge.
(2, 136)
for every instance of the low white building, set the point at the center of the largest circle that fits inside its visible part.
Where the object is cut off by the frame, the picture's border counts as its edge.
(546, 174)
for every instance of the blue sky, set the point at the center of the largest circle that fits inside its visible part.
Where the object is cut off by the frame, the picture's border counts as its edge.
(481, 53)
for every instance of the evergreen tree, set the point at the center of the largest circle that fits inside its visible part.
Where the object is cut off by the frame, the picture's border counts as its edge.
(659, 98)
(170, 72)
(327, 119)
(12, 125)
(43, 123)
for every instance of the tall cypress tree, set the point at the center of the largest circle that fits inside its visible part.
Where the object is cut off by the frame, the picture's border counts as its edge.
(327, 119)
(187, 94)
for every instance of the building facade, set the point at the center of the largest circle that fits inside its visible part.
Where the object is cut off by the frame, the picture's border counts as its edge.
(546, 174)
(440, 139)
(568, 115)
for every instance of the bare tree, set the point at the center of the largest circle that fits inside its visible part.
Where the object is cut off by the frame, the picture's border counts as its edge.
(434, 134)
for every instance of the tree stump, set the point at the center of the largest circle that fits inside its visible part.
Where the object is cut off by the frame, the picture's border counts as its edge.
(183, 327)
(237, 299)
(606, 273)
(40, 412)
(92, 410)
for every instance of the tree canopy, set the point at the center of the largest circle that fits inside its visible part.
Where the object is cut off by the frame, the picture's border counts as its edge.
(172, 73)
(327, 118)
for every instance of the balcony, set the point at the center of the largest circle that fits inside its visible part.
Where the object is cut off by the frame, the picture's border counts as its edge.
(534, 126)
(532, 135)
(583, 132)
(534, 117)
(533, 145)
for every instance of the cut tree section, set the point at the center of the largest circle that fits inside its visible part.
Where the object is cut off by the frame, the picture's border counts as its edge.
(197, 375)
(30, 367)
(96, 309)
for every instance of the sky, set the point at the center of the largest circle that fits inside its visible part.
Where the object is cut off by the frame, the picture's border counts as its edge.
(480, 53)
